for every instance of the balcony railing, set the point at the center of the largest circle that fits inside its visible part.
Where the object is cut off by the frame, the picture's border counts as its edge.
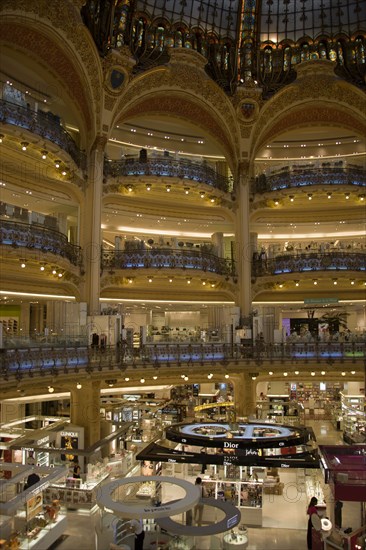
(44, 124)
(168, 167)
(33, 236)
(25, 363)
(299, 263)
(303, 177)
(168, 258)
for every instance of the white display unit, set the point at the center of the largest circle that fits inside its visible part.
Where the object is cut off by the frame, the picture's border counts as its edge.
(246, 495)
(354, 418)
(47, 536)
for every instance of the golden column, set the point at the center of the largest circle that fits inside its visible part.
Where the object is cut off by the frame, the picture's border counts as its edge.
(85, 410)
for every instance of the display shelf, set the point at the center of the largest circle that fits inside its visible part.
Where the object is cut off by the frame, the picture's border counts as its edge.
(74, 497)
(47, 536)
(354, 418)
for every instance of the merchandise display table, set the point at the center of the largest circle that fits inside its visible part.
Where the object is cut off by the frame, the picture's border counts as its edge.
(235, 541)
(47, 536)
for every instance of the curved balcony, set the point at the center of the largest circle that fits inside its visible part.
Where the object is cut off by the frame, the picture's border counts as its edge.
(44, 124)
(168, 167)
(300, 263)
(167, 258)
(303, 177)
(26, 363)
(33, 236)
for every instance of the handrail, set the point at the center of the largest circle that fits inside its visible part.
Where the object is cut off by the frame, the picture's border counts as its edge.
(169, 167)
(34, 236)
(302, 177)
(313, 261)
(169, 258)
(26, 363)
(44, 124)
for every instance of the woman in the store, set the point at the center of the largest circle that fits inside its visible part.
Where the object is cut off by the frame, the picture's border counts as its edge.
(312, 509)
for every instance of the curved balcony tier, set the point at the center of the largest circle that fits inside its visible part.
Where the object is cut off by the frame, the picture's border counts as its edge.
(26, 363)
(300, 263)
(169, 258)
(44, 124)
(168, 167)
(296, 177)
(33, 236)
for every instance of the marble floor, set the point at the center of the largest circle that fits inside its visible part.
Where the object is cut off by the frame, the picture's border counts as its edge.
(278, 513)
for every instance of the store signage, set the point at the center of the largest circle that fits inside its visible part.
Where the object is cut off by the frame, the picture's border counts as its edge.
(34, 506)
(228, 445)
(69, 434)
(43, 440)
(231, 522)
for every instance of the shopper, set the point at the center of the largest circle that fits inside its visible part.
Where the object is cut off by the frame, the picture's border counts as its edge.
(76, 469)
(311, 511)
(137, 528)
(198, 509)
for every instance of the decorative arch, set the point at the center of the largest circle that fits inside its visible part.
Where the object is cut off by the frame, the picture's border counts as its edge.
(55, 36)
(317, 97)
(198, 100)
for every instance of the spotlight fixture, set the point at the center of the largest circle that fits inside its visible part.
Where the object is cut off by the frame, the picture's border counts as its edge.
(168, 188)
(335, 282)
(60, 274)
(280, 285)
(329, 195)
(315, 281)
(310, 196)
(227, 376)
(352, 282)
(57, 163)
(127, 379)
(1, 138)
(186, 378)
(129, 188)
(51, 389)
(170, 279)
(204, 282)
(54, 271)
(186, 190)
(296, 372)
(155, 377)
(347, 195)
(343, 373)
(292, 198)
(270, 373)
(148, 187)
(142, 380)
(323, 373)
(44, 154)
(361, 197)
(150, 279)
(312, 373)
(202, 194)
(277, 202)
(130, 280)
(189, 280)
(24, 145)
(297, 283)
(64, 172)
(212, 199)
(42, 267)
(353, 372)
(22, 264)
(213, 285)
(285, 374)
(79, 386)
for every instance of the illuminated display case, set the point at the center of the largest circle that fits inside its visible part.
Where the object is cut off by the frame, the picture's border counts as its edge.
(354, 418)
(243, 494)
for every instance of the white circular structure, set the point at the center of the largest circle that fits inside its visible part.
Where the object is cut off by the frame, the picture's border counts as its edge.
(128, 510)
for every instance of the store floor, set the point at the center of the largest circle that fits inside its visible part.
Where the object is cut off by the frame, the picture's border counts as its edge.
(279, 513)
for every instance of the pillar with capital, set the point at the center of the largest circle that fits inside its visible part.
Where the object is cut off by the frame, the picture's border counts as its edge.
(244, 394)
(243, 244)
(85, 410)
(90, 226)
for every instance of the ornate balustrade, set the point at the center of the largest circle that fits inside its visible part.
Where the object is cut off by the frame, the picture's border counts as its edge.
(43, 124)
(169, 167)
(169, 258)
(286, 179)
(299, 263)
(25, 363)
(33, 236)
